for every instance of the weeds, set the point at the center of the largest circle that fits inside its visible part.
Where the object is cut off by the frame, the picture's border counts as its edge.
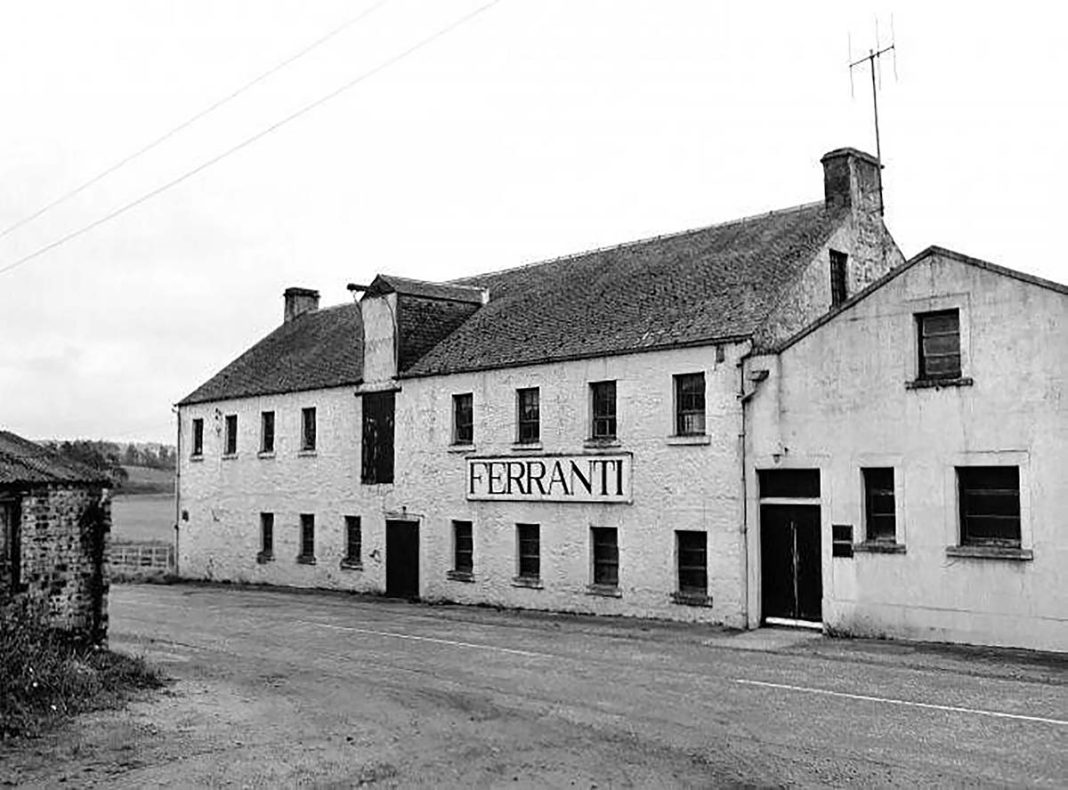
(48, 674)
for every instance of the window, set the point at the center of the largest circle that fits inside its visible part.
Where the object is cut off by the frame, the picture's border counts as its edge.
(307, 537)
(693, 562)
(266, 536)
(838, 277)
(528, 539)
(307, 429)
(789, 483)
(529, 416)
(378, 410)
(939, 345)
(462, 547)
(231, 435)
(463, 419)
(267, 432)
(842, 540)
(605, 556)
(198, 437)
(690, 404)
(603, 397)
(989, 505)
(879, 518)
(353, 540)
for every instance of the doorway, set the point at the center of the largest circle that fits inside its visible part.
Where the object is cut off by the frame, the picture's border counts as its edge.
(402, 559)
(790, 565)
(11, 544)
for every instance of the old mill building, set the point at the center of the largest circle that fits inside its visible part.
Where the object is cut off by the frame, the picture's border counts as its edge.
(771, 420)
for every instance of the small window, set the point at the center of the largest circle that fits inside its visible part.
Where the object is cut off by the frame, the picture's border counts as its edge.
(266, 535)
(307, 536)
(462, 547)
(603, 407)
(939, 345)
(605, 556)
(529, 415)
(463, 419)
(353, 540)
(692, 562)
(231, 434)
(307, 429)
(377, 451)
(838, 277)
(989, 505)
(528, 546)
(267, 432)
(841, 540)
(690, 404)
(879, 516)
(198, 437)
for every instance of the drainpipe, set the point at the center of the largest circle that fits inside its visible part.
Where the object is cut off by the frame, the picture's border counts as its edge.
(744, 398)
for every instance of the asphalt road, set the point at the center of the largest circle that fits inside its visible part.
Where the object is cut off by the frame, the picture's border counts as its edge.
(280, 688)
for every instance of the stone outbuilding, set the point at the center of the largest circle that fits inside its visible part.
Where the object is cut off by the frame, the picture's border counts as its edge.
(55, 522)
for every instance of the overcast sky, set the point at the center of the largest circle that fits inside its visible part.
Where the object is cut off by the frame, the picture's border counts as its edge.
(537, 128)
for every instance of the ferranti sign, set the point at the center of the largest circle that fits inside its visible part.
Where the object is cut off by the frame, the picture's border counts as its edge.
(550, 478)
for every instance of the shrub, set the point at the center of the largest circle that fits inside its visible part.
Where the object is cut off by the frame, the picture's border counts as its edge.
(48, 674)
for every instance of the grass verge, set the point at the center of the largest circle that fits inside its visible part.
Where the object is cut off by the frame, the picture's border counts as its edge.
(48, 675)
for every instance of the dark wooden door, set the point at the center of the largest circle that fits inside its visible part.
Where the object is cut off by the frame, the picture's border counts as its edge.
(10, 544)
(790, 567)
(402, 559)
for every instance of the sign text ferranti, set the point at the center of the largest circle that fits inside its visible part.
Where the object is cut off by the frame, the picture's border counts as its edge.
(551, 478)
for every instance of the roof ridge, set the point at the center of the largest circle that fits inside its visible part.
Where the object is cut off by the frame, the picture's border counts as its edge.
(636, 242)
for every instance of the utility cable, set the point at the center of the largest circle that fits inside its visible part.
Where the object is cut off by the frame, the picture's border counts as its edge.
(193, 119)
(249, 140)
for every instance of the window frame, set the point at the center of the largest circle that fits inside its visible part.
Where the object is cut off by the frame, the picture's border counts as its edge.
(198, 438)
(308, 429)
(526, 559)
(378, 437)
(266, 537)
(604, 557)
(525, 423)
(684, 412)
(603, 410)
(230, 435)
(353, 542)
(839, 267)
(966, 496)
(690, 590)
(871, 494)
(463, 430)
(463, 547)
(922, 356)
(307, 538)
(267, 424)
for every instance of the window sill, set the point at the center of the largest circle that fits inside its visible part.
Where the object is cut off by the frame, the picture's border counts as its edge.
(351, 565)
(460, 576)
(695, 439)
(304, 559)
(265, 454)
(527, 446)
(307, 453)
(461, 448)
(264, 557)
(607, 441)
(196, 458)
(528, 581)
(230, 457)
(879, 547)
(604, 590)
(921, 384)
(691, 599)
(990, 552)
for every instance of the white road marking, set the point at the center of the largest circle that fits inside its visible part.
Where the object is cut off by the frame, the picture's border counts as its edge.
(909, 703)
(451, 642)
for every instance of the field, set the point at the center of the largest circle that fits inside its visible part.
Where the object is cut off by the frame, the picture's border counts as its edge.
(143, 480)
(139, 517)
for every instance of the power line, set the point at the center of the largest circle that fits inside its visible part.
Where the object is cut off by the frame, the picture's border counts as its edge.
(193, 119)
(249, 140)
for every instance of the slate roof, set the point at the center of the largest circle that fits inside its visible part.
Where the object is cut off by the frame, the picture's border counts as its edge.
(23, 461)
(315, 350)
(690, 288)
(388, 283)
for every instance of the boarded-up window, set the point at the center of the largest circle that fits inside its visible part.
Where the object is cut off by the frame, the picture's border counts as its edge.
(690, 404)
(198, 437)
(230, 447)
(463, 419)
(838, 277)
(605, 556)
(603, 397)
(939, 336)
(377, 438)
(267, 432)
(693, 562)
(880, 519)
(529, 414)
(989, 505)
(528, 540)
(463, 547)
(353, 539)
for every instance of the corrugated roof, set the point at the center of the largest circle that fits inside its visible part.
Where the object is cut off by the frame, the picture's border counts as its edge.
(698, 286)
(315, 350)
(23, 461)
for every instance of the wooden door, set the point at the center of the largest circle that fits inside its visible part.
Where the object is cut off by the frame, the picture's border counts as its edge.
(790, 567)
(402, 559)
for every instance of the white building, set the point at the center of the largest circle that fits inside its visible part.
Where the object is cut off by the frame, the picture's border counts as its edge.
(605, 433)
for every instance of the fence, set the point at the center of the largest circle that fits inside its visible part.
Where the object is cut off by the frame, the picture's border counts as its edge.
(141, 558)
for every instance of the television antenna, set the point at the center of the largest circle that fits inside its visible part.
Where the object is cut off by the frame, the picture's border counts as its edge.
(874, 61)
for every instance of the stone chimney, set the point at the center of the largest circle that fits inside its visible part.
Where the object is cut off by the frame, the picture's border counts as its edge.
(299, 301)
(851, 181)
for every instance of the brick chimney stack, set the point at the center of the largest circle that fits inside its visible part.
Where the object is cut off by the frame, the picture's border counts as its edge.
(851, 181)
(299, 301)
